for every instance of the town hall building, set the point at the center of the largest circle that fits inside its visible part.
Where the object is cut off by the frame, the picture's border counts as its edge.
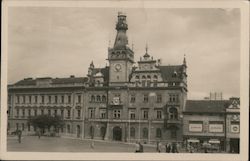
(124, 101)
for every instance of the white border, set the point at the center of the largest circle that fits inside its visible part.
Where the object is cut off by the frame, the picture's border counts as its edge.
(244, 81)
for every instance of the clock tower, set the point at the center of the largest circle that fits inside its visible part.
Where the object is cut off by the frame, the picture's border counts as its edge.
(121, 57)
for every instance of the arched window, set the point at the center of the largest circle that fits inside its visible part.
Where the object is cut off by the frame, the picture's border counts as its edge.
(98, 98)
(137, 78)
(173, 113)
(103, 98)
(98, 83)
(92, 98)
(143, 81)
(148, 80)
(145, 133)
(132, 132)
(158, 133)
(68, 128)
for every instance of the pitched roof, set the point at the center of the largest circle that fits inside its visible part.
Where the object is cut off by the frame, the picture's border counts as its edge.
(69, 80)
(168, 72)
(206, 106)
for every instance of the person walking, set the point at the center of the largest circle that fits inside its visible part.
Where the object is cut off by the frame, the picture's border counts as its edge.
(137, 147)
(141, 147)
(19, 135)
(168, 148)
(92, 145)
(157, 147)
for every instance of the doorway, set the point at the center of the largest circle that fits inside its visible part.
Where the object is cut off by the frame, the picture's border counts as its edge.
(117, 133)
(78, 131)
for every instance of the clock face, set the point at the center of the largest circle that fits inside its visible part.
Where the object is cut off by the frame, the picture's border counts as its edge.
(118, 67)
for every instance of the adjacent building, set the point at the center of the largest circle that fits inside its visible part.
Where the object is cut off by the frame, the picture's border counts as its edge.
(124, 101)
(212, 121)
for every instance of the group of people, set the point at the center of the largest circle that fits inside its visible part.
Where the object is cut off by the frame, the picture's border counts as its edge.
(169, 147)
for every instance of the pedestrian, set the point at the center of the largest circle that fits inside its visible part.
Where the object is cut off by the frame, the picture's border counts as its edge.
(141, 147)
(39, 134)
(137, 147)
(92, 145)
(19, 135)
(168, 148)
(157, 147)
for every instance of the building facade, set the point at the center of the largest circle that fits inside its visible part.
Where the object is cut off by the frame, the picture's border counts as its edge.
(212, 121)
(123, 101)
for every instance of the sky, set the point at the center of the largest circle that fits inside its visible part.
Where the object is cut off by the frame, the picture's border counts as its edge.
(62, 41)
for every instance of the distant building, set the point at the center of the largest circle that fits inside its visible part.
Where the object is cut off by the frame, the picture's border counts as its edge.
(212, 121)
(119, 102)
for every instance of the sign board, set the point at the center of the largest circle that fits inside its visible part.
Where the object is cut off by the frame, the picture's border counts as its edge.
(195, 127)
(235, 128)
(215, 127)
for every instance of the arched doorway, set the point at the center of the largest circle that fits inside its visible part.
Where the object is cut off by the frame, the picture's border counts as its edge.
(78, 131)
(117, 133)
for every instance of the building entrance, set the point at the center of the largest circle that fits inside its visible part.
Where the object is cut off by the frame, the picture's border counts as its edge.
(78, 131)
(234, 145)
(117, 133)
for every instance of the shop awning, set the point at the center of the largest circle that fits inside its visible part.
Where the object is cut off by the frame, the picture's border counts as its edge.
(214, 141)
(193, 140)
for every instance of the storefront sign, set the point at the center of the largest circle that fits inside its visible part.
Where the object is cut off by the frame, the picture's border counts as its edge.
(195, 127)
(215, 127)
(235, 128)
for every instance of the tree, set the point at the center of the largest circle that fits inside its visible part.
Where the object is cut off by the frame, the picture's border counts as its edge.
(46, 121)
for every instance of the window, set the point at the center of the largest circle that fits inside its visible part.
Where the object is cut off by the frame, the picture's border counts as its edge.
(62, 99)
(132, 132)
(42, 99)
(55, 112)
(69, 98)
(145, 114)
(18, 99)
(35, 112)
(23, 111)
(79, 99)
(117, 114)
(98, 98)
(173, 134)
(49, 99)
(173, 113)
(56, 99)
(145, 133)
(29, 99)
(9, 98)
(173, 98)
(17, 112)
(159, 98)
(22, 126)
(68, 128)
(42, 112)
(104, 98)
(28, 125)
(102, 113)
(68, 113)
(143, 81)
(62, 112)
(35, 99)
(132, 114)
(24, 99)
(158, 114)
(91, 113)
(49, 112)
(132, 98)
(17, 126)
(92, 98)
(78, 113)
(29, 112)
(145, 98)
(158, 133)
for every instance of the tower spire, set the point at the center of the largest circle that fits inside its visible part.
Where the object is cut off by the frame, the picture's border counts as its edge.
(121, 40)
(184, 60)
